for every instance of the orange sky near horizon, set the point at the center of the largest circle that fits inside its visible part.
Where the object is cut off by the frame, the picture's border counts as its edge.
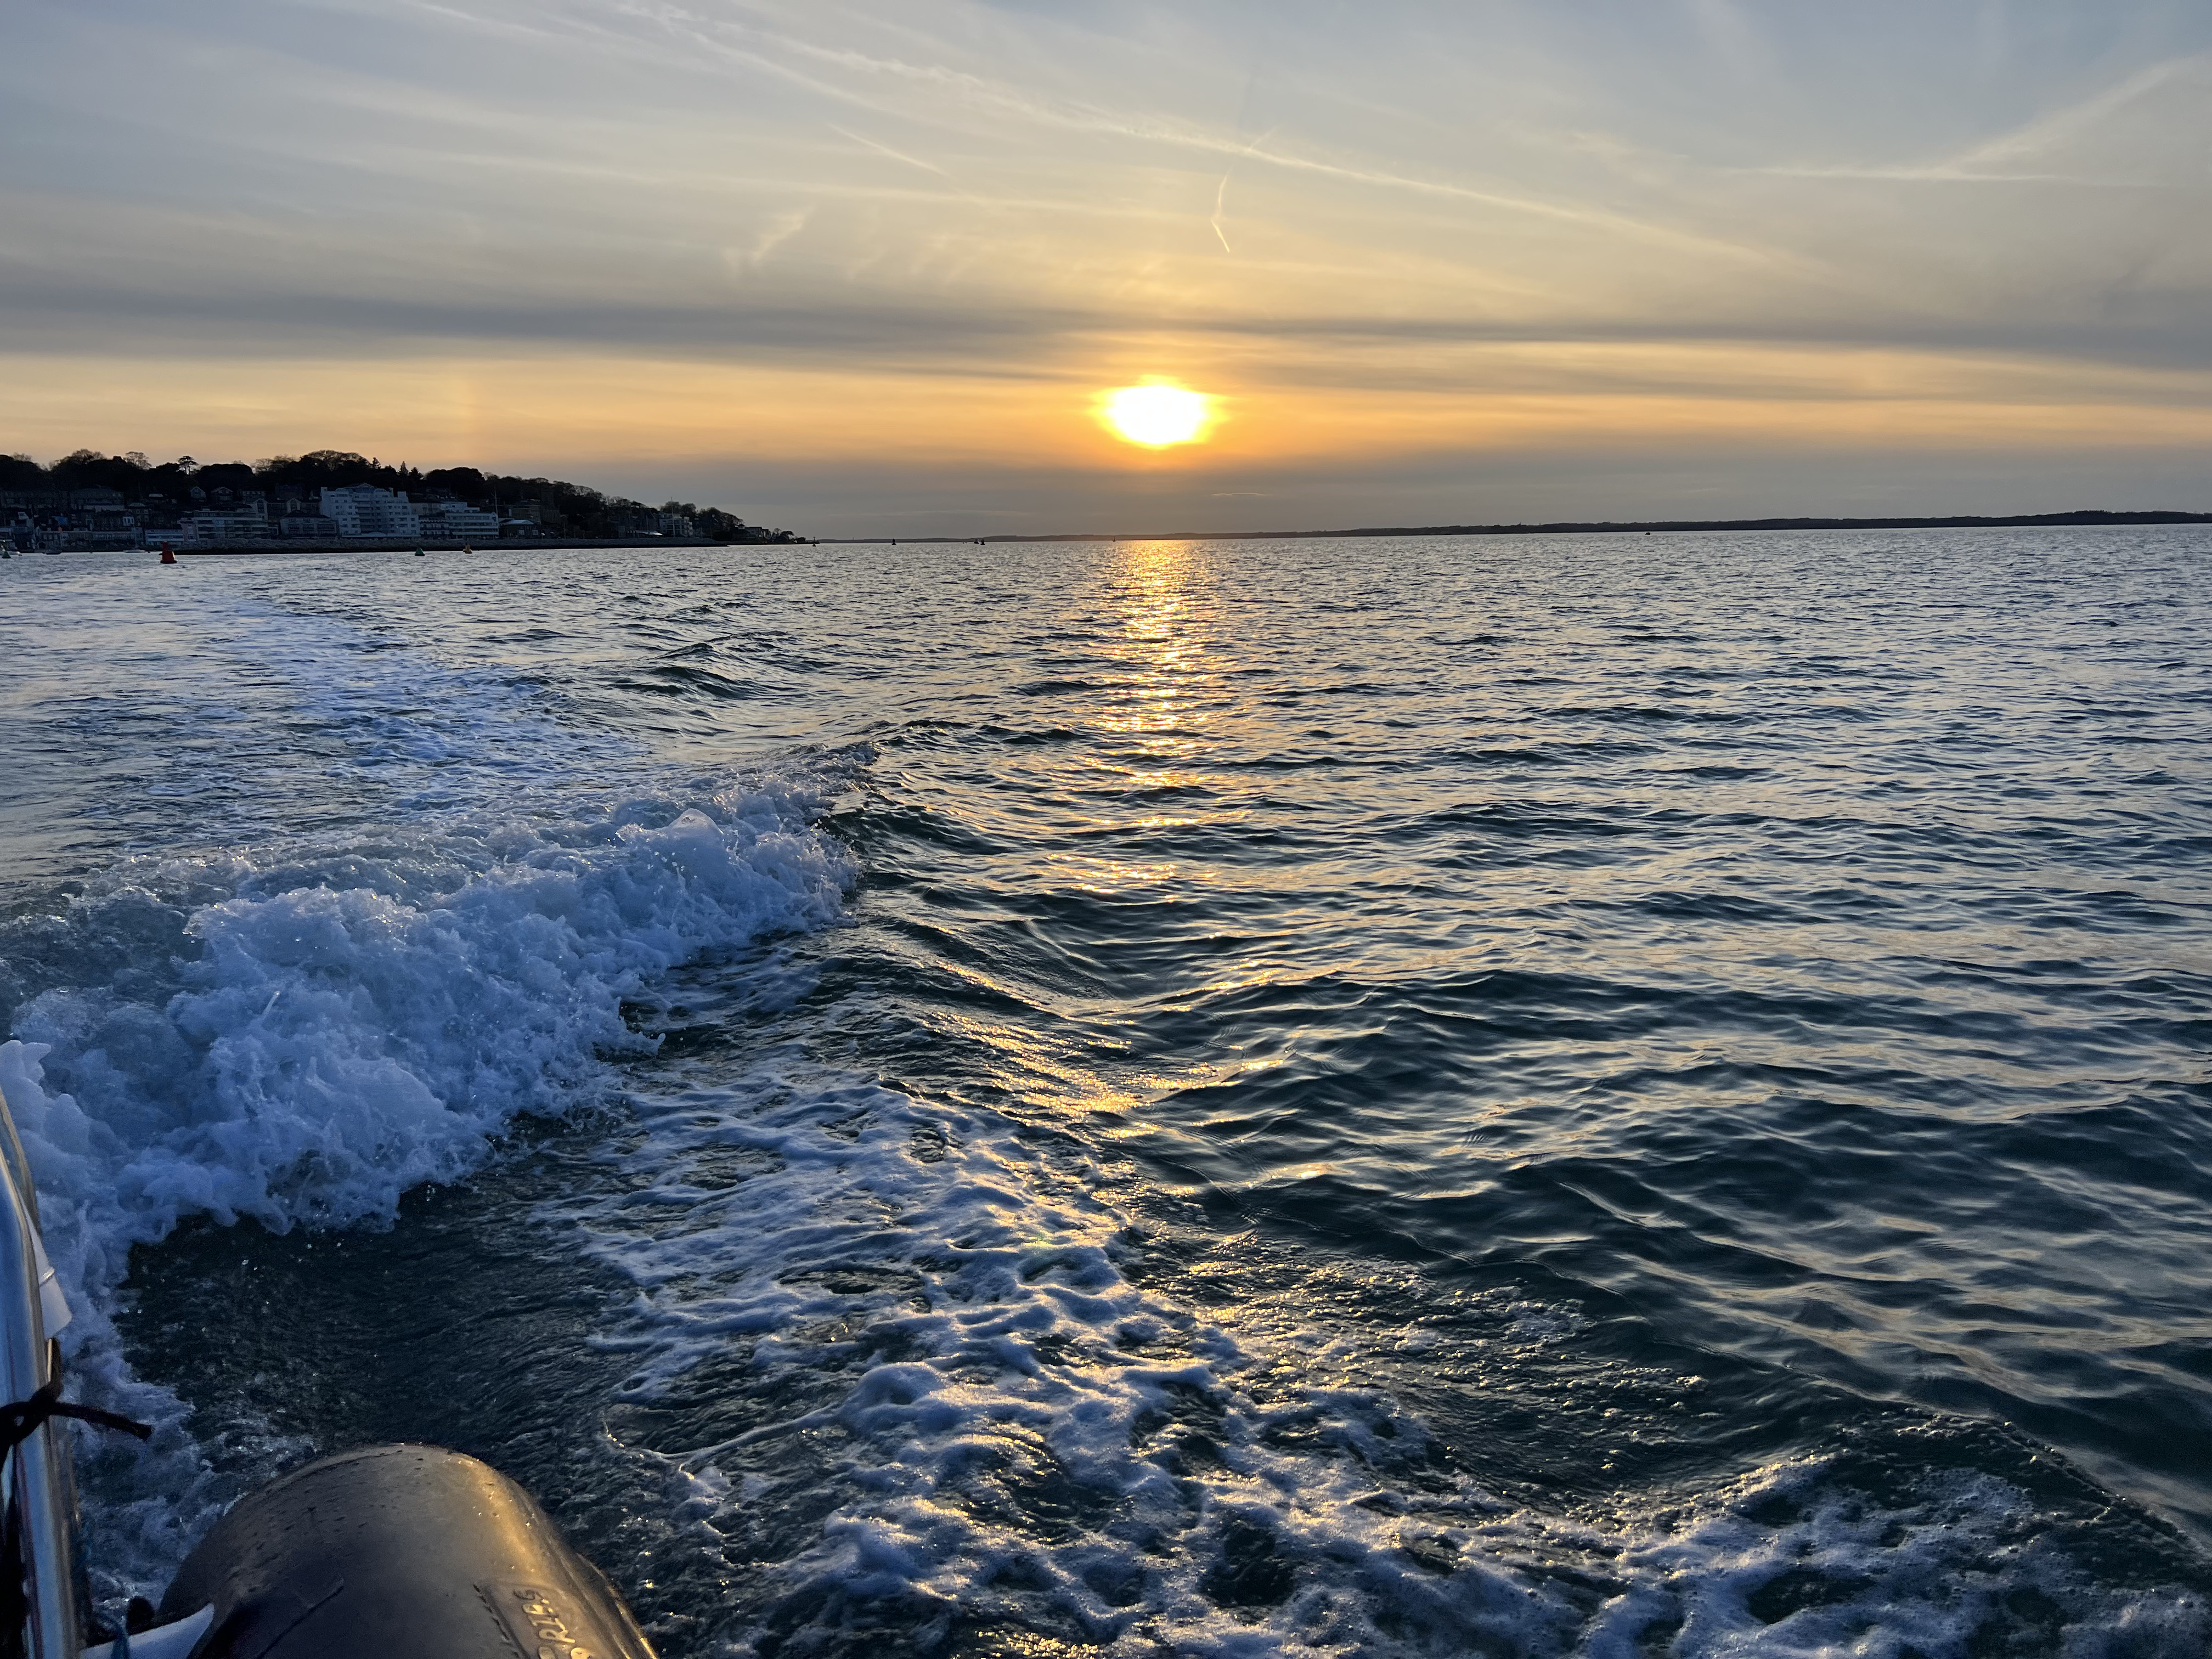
(501, 412)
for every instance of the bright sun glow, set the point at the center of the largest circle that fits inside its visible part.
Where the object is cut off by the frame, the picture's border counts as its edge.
(1158, 415)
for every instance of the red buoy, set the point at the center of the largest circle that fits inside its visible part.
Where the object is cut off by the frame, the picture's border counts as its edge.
(168, 557)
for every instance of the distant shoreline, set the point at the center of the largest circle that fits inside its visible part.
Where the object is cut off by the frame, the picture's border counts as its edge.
(2056, 521)
(409, 544)
(2035, 521)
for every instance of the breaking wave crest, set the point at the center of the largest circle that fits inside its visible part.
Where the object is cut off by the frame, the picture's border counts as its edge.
(304, 1034)
(350, 1022)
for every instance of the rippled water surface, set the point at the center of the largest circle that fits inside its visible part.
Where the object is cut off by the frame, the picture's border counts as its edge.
(1613, 1095)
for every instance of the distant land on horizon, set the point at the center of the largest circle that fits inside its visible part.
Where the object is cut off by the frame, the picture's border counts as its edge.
(1596, 527)
(141, 496)
(157, 495)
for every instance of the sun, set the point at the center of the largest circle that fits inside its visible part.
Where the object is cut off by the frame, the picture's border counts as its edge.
(1157, 414)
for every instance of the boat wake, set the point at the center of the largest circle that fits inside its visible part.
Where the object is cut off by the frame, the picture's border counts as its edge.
(302, 1035)
(916, 1381)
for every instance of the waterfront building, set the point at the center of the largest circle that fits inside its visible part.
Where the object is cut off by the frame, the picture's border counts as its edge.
(457, 520)
(366, 510)
(309, 526)
(72, 521)
(110, 525)
(221, 526)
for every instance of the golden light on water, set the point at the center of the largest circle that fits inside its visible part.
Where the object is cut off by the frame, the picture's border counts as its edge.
(1157, 414)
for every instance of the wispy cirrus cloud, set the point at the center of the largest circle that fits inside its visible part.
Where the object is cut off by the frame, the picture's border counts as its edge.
(2158, 148)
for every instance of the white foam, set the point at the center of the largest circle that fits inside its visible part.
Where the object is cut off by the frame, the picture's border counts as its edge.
(333, 1045)
(927, 1307)
(357, 1021)
(438, 734)
(302, 1027)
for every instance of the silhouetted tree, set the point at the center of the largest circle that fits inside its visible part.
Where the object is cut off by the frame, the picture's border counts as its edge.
(464, 482)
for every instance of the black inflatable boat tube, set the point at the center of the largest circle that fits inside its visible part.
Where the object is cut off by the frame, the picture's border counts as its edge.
(398, 1552)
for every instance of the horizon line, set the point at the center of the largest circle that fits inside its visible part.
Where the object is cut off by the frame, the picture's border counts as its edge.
(2086, 516)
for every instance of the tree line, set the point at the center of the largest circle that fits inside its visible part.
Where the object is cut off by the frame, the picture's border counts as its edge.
(572, 509)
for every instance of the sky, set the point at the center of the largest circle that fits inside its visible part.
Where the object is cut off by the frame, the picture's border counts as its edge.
(866, 268)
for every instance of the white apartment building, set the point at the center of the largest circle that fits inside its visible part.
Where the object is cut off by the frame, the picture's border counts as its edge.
(365, 510)
(456, 519)
(247, 521)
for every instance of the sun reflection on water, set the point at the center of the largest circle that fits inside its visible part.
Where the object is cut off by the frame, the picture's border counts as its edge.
(1165, 644)
(1164, 684)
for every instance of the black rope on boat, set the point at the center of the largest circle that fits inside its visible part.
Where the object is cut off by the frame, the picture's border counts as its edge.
(19, 1421)
(22, 1420)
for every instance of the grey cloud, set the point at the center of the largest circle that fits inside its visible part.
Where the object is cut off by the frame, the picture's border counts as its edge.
(107, 313)
(46, 316)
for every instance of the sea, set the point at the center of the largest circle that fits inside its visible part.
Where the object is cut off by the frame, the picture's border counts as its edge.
(1600, 1095)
